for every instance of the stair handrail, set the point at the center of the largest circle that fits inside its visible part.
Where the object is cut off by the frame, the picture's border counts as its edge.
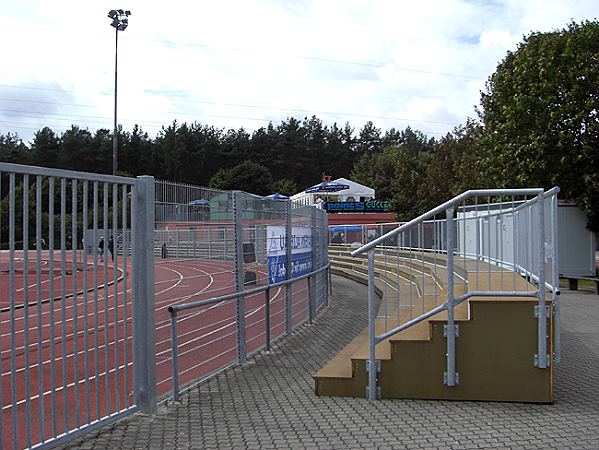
(451, 376)
(443, 207)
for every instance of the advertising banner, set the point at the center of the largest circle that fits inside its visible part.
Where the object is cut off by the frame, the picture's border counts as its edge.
(371, 206)
(301, 252)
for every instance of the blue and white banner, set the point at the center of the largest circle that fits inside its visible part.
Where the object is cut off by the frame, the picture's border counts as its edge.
(301, 252)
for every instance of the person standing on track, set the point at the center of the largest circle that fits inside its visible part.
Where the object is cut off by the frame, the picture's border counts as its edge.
(101, 248)
(111, 248)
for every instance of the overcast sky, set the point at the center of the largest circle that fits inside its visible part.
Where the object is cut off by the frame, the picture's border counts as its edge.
(240, 63)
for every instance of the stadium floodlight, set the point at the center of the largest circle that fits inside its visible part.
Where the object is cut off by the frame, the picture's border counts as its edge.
(120, 21)
(120, 18)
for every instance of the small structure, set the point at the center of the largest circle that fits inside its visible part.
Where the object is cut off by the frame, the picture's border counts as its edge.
(326, 191)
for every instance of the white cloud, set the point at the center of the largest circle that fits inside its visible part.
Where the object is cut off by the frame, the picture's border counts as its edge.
(242, 63)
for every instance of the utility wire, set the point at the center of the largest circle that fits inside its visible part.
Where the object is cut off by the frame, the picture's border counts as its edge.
(238, 105)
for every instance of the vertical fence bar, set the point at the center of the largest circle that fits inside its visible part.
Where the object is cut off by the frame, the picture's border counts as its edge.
(489, 241)
(501, 254)
(51, 182)
(288, 232)
(326, 286)
(312, 292)
(175, 355)
(477, 226)
(310, 301)
(26, 348)
(528, 241)
(267, 318)
(557, 342)
(84, 268)
(144, 329)
(38, 283)
(209, 242)
(239, 274)
(11, 269)
(543, 363)
(74, 215)
(63, 298)
(515, 248)
(451, 378)
(112, 247)
(125, 288)
(106, 291)
(371, 329)
(96, 297)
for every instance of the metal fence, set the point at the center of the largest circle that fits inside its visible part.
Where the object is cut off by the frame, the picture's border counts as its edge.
(236, 247)
(72, 321)
(89, 265)
(481, 243)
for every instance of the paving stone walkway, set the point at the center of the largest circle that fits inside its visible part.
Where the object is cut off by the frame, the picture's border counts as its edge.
(269, 403)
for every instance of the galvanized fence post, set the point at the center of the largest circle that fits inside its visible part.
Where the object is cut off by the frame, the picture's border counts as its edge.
(450, 376)
(313, 281)
(239, 273)
(144, 327)
(288, 232)
(267, 319)
(310, 301)
(557, 343)
(175, 355)
(327, 281)
(371, 329)
(542, 331)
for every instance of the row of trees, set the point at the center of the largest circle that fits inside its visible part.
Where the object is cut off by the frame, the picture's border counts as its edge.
(537, 126)
(297, 151)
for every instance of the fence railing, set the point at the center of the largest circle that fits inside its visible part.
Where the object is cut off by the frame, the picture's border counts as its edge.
(266, 324)
(72, 321)
(89, 264)
(241, 243)
(481, 243)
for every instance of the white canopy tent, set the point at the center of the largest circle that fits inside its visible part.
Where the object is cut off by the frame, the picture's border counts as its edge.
(356, 192)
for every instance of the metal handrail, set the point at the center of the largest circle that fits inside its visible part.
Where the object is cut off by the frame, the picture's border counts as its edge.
(185, 306)
(174, 309)
(448, 204)
(61, 173)
(539, 195)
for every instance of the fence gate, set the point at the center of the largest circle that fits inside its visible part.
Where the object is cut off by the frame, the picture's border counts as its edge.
(71, 319)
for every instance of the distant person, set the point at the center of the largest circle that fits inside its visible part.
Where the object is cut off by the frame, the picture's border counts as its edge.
(101, 249)
(111, 248)
(337, 239)
(164, 251)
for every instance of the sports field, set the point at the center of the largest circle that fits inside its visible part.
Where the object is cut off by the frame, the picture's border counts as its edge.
(67, 356)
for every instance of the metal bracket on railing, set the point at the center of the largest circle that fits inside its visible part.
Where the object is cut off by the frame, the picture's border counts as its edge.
(536, 359)
(457, 378)
(536, 311)
(378, 366)
(378, 392)
(457, 330)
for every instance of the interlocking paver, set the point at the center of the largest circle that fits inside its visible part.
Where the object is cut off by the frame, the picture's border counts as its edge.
(269, 402)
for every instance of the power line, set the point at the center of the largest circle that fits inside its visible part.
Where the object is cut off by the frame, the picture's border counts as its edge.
(241, 105)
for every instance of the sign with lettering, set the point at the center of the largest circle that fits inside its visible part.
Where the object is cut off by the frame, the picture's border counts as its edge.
(369, 206)
(301, 252)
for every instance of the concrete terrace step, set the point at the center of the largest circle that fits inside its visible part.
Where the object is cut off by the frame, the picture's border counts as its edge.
(413, 360)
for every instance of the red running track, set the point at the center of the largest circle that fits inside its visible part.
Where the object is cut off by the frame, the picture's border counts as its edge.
(80, 357)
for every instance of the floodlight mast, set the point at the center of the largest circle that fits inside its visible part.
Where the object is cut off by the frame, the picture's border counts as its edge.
(120, 21)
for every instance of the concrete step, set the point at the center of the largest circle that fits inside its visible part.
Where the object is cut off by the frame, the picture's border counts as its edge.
(495, 348)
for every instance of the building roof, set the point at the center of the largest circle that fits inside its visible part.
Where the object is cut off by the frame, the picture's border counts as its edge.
(355, 190)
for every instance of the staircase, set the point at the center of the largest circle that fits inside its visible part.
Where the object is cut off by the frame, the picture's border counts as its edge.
(497, 335)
